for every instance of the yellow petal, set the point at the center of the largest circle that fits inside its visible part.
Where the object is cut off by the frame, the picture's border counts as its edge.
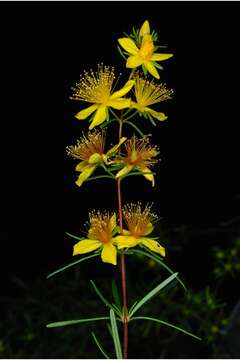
(125, 241)
(149, 229)
(151, 69)
(95, 158)
(145, 29)
(156, 114)
(89, 169)
(99, 117)
(124, 90)
(153, 245)
(160, 57)
(113, 222)
(128, 45)
(124, 171)
(115, 147)
(83, 114)
(134, 61)
(147, 174)
(109, 253)
(81, 166)
(85, 246)
(119, 104)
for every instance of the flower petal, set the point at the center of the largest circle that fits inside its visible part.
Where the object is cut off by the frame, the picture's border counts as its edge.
(151, 69)
(109, 253)
(113, 222)
(145, 28)
(119, 104)
(128, 45)
(115, 147)
(124, 171)
(99, 117)
(89, 169)
(95, 158)
(149, 229)
(153, 245)
(81, 166)
(124, 90)
(147, 173)
(83, 114)
(85, 246)
(156, 114)
(134, 61)
(160, 57)
(125, 241)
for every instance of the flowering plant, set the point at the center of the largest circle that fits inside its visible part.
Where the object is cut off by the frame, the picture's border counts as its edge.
(127, 230)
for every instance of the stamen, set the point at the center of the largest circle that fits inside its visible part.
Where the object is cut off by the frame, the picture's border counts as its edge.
(148, 93)
(100, 226)
(95, 87)
(138, 219)
(140, 152)
(88, 145)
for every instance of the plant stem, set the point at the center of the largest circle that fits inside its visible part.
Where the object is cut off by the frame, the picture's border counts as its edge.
(123, 266)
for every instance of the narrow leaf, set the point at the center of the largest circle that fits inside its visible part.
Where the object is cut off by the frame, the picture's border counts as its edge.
(116, 294)
(74, 236)
(72, 264)
(99, 346)
(116, 339)
(167, 324)
(99, 177)
(73, 322)
(98, 292)
(159, 261)
(152, 293)
(135, 127)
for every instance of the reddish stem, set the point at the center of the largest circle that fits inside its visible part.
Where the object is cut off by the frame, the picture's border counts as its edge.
(123, 266)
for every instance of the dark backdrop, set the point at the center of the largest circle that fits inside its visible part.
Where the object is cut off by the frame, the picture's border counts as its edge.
(44, 48)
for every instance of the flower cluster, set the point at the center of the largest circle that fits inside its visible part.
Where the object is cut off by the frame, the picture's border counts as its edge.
(102, 226)
(136, 155)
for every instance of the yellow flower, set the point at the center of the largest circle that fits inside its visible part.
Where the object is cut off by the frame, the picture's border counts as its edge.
(139, 156)
(96, 88)
(148, 93)
(144, 54)
(140, 225)
(99, 236)
(90, 150)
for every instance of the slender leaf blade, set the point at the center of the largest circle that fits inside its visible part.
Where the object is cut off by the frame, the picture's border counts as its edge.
(167, 324)
(153, 292)
(116, 340)
(159, 261)
(116, 295)
(72, 264)
(100, 295)
(73, 322)
(99, 346)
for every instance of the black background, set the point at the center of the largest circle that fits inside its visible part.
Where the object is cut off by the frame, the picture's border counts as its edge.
(44, 48)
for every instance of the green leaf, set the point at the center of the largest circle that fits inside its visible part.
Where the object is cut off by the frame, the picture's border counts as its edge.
(152, 293)
(167, 324)
(116, 294)
(116, 340)
(156, 258)
(137, 173)
(98, 292)
(99, 346)
(74, 236)
(135, 127)
(157, 65)
(121, 53)
(73, 322)
(72, 264)
(102, 126)
(99, 177)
